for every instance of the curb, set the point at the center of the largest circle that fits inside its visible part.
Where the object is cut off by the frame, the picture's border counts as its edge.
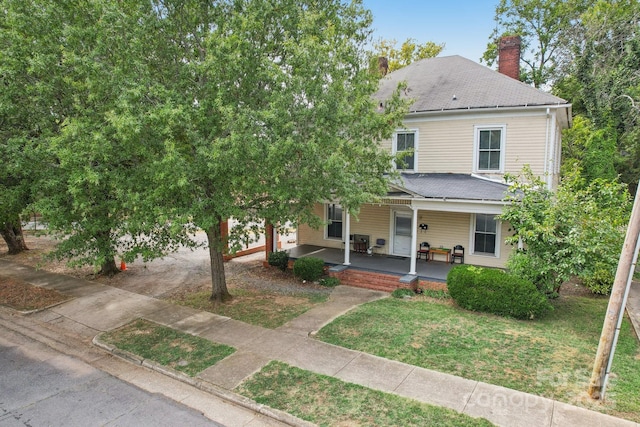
(203, 385)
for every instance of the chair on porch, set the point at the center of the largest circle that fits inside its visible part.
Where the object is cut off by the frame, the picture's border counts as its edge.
(379, 243)
(423, 249)
(458, 252)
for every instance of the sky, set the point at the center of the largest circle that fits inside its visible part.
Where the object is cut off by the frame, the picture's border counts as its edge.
(464, 26)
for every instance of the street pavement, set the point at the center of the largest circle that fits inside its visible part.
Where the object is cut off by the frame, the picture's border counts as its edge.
(97, 308)
(43, 387)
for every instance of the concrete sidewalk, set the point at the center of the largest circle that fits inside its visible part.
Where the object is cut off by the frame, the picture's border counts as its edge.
(97, 308)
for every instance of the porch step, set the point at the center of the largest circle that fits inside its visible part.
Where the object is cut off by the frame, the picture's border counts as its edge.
(372, 280)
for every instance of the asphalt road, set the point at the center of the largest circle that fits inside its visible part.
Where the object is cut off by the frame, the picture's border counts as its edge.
(41, 387)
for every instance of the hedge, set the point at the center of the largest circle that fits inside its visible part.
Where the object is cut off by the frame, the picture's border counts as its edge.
(494, 291)
(308, 268)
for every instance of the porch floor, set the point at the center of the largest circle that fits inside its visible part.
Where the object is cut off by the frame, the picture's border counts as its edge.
(381, 263)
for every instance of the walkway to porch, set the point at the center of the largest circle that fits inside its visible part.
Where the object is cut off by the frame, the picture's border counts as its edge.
(434, 271)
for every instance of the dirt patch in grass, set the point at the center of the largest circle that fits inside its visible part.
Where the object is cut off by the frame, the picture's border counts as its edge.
(23, 296)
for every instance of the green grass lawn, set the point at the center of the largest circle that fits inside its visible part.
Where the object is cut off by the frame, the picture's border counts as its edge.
(266, 309)
(550, 357)
(166, 346)
(327, 401)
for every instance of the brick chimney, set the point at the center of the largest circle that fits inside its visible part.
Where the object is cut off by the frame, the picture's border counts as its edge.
(509, 56)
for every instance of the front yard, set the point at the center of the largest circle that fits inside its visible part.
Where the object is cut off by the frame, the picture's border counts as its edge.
(550, 357)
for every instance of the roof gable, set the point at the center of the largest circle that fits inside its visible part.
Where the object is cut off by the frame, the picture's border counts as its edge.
(457, 83)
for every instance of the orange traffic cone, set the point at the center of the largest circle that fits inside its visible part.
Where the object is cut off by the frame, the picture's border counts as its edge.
(123, 266)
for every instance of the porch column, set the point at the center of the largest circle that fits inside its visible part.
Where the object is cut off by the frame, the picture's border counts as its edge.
(269, 238)
(414, 239)
(345, 235)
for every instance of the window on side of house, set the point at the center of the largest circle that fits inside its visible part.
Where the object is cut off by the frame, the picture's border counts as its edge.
(405, 141)
(334, 221)
(485, 235)
(490, 148)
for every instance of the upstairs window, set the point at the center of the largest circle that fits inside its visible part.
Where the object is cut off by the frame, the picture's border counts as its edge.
(334, 220)
(490, 149)
(405, 142)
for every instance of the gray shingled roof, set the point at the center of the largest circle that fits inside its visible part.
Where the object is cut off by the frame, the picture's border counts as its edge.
(434, 82)
(453, 186)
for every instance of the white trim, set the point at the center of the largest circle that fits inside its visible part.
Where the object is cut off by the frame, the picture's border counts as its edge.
(394, 147)
(472, 237)
(474, 113)
(407, 213)
(476, 147)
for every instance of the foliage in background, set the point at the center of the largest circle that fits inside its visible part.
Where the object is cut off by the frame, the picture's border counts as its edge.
(578, 231)
(543, 26)
(495, 291)
(409, 51)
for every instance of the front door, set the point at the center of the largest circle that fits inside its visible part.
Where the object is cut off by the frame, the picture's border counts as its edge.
(402, 234)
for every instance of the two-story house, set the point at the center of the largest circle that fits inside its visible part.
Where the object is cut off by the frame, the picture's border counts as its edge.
(467, 127)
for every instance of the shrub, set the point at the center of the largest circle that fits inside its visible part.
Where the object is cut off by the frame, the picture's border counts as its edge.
(279, 259)
(329, 282)
(601, 281)
(308, 268)
(402, 292)
(494, 291)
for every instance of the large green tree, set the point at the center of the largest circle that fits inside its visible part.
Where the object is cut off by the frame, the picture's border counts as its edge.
(94, 189)
(181, 114)
(30, 105)
(602, 80)
(544, 26)
(271, 112)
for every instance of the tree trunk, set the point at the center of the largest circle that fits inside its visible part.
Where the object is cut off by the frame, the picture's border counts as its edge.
(109, 268)
(13, 236)
(219, 290)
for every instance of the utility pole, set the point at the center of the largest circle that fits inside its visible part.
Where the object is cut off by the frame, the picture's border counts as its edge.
(617, 300)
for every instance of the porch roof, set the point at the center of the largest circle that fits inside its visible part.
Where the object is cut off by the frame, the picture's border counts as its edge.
(450, 186)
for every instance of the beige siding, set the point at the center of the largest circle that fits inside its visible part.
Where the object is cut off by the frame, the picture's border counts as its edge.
(525, 144)
(373, 221)
(447, 145)
(448, 229)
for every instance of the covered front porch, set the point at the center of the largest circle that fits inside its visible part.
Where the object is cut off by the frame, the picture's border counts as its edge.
(434, 271)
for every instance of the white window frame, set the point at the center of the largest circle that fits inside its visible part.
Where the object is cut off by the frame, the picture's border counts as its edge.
(327, 220)
(472, 240)
(415, 148)
(476, 147)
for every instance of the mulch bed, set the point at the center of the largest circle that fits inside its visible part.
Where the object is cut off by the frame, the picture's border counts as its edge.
(23, 296)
